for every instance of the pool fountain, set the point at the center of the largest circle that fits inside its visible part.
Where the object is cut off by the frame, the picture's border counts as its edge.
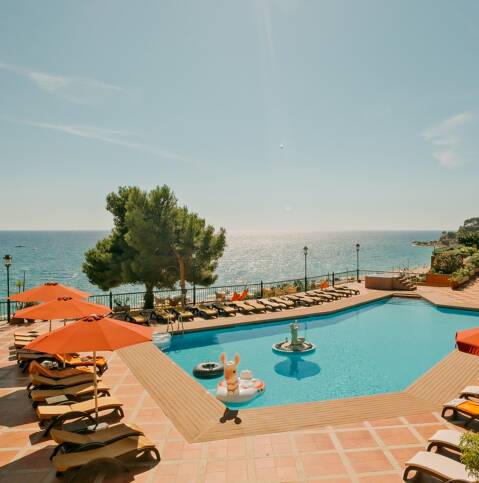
(297, 345)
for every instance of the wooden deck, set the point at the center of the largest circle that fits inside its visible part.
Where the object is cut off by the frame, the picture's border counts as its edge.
(197, 414)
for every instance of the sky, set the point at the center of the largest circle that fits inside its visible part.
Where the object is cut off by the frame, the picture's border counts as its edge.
(260, 114)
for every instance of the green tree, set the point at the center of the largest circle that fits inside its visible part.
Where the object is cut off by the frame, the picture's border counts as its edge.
(469, 445)
(154, 242)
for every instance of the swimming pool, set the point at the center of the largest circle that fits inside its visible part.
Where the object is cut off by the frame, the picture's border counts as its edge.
(375, 348)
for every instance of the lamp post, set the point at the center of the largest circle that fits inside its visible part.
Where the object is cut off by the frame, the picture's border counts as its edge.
(305, 251)
(357, 261)
(7, 260)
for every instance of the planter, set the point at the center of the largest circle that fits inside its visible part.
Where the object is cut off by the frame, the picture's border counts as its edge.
(455, 284)
(437, 280)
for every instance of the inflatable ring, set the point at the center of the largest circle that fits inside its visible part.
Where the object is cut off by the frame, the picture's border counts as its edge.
(208, 370)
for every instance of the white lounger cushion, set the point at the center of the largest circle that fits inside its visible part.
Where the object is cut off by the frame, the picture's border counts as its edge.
(446, 436)
(446, 468)
(455, 402)
(470, 390)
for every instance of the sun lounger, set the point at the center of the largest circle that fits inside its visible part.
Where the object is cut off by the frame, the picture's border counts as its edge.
(69, 441)
(258, 307)
(353, 291)
(316, 298)
(271, 304)
(288, 304)
(203, 310)
(182, 313)
(469, 391)
(163, 315)
(302, 299)
(77, 392)
(41, 382)
(462, 406)
(445, 438)
(141, 317)
(224, 309)
(77, 361)
(138, 445)
(51, 416)
(438, 466)
(337, 292)
(327, 297)
(241, 306)
(36, 368)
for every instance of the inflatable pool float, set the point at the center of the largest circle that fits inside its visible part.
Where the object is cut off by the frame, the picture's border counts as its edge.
(163, 341)
(248, 388)
(208, 370)
(234, 389)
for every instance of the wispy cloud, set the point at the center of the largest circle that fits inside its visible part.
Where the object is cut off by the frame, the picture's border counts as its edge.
(118, 137)
(74, 89)
(447, 138)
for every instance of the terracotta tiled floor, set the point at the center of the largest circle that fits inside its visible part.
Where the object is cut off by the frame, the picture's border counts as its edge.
(369, 451)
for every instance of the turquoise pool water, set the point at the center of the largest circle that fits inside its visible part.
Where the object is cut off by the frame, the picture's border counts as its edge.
(375, 348)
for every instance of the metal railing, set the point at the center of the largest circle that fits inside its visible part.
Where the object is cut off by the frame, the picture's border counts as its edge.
(205, 294)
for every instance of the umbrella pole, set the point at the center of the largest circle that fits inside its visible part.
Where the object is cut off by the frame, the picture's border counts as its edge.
(50, 326)
(95, 385)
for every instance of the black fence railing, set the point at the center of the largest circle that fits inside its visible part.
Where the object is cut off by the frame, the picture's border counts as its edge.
(205, 294)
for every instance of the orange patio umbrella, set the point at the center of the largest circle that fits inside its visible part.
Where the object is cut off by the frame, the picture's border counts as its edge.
(93, 333)
(468, 341)
(62, 308)
(48, 291)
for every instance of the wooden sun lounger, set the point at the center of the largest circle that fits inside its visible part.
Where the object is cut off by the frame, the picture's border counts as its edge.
(354, 291)
(141, 317)
(445, 438)
(163, 315)
(302, 299)
(77, 392)
(36, 368)
(241, 306)
(337, 292)
(68, 441)
(469, 391)
(331, 295)
(203, 311)
(288, 304)
(132, 445)
(323, 296)
(224, 309)
(258, 307)
(55, 415)
(316, 298)
(271, 304)
(182, 313)
(38, 381)
(441, 467)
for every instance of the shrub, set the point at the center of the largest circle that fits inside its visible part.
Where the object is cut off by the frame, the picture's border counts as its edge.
(447, 262)
(469, 446)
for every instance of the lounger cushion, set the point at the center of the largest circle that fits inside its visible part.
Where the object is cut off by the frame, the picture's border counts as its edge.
(449, 437)
(38, 380)
(63, 462)
(471, 390)
(102, 435)
(49, 412)
(79, 390)
(446, 468)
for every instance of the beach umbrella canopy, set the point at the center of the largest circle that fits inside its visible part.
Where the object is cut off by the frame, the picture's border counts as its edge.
(62, 308)
(468, 341)
(48, 291)
(91, 334)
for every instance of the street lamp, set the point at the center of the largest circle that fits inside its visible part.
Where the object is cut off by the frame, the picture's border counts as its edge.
(305, 251)
(357, 261)
(7, 260)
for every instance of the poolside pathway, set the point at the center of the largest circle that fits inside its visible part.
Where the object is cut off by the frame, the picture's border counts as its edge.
(363, 451)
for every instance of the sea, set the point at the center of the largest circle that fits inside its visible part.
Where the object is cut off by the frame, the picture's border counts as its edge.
(41, 256)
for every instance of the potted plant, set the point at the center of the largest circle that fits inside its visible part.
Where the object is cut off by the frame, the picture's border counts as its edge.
(469, 446)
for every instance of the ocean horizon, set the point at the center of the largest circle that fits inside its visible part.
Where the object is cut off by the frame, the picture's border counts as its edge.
(250, 256)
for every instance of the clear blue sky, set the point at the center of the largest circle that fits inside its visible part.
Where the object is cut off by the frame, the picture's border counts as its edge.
(284, 114)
